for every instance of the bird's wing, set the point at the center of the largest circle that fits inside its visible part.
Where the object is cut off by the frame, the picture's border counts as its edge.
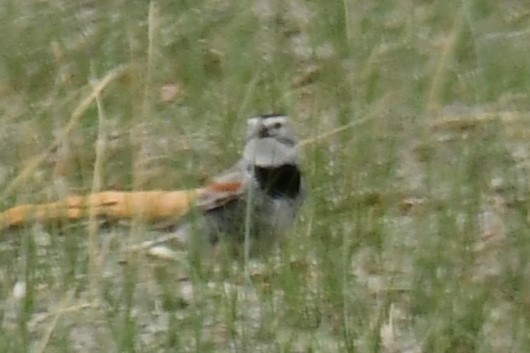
(225, 188)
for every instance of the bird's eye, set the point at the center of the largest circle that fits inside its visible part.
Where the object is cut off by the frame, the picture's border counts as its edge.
(277, 125)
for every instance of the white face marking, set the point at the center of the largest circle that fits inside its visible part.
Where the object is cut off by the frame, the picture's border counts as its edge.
(257, 122)
(275, 121)
(274, 125)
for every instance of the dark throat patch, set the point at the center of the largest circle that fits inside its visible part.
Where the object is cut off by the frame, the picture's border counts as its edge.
(279, 181)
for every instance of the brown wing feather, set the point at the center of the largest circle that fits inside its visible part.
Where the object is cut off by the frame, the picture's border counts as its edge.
(218, 194)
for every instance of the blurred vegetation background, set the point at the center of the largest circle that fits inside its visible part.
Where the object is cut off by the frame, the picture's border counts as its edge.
(414, 237)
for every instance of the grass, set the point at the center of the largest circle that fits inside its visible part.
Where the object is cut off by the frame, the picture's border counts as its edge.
(415, 235)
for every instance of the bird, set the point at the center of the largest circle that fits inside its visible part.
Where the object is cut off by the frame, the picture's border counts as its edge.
(253, 204)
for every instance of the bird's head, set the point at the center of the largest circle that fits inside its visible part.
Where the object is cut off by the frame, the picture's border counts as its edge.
(271, 141)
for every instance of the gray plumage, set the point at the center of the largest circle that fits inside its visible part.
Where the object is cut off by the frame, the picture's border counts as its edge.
(271, 192)
(255, 200)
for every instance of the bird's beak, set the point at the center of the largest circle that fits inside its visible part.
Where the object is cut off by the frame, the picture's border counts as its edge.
(263, 132)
